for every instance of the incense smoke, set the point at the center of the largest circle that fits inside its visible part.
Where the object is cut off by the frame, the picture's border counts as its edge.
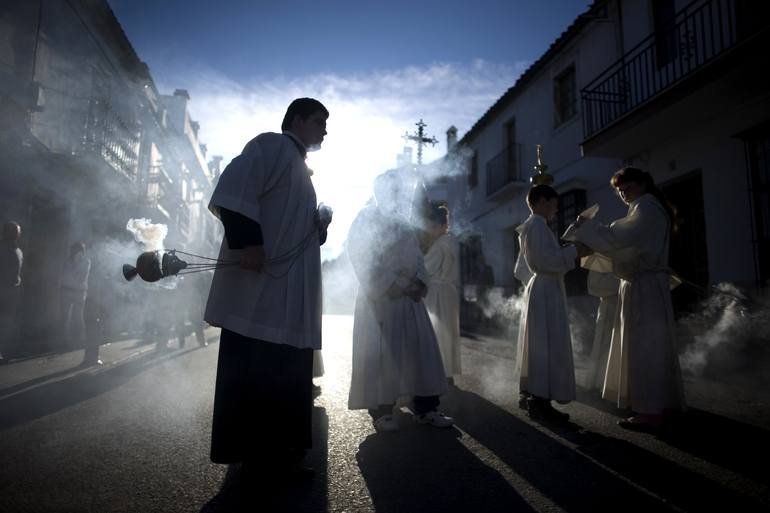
(147, 233)
(725, 333)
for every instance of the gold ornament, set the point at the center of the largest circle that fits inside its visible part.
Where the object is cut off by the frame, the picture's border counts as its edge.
(541, 178)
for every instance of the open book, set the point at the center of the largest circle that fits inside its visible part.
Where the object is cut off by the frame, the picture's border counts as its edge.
(589, 213)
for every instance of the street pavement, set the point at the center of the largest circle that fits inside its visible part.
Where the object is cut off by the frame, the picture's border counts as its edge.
(133, 436)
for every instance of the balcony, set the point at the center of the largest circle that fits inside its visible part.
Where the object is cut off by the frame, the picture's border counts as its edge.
(504, 174)
(161, 194)
(112, 138)
(183, 220)
(697, 35)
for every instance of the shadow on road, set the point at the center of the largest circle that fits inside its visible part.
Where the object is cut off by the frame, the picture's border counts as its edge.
(593, 398)
(421, 468)
(731, 444)
(241, 492)
(726, 442)
(602, 473)
(42, 400)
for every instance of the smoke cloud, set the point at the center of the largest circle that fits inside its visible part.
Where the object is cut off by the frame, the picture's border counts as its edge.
(726, 333)
(147, 233)
(370, 112)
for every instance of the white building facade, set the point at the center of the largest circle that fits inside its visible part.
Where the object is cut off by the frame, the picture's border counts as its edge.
(671, 87)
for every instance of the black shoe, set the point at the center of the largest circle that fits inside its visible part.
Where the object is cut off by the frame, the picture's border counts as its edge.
(639, 427)
(541, 409)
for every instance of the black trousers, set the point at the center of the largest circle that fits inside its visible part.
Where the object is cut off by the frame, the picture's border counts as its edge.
(263, 401)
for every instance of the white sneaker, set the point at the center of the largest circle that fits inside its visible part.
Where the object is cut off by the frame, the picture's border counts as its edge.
(386, 423)
(436, 419)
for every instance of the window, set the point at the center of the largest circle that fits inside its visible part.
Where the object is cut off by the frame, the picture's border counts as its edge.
(571, 203)
(663, 16)
(510, 150)
(470, 251)
(473, 171)
(564, 96)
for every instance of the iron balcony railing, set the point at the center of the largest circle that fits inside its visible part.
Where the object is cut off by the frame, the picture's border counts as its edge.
(692, 38)
(503, 169)
(112, 138)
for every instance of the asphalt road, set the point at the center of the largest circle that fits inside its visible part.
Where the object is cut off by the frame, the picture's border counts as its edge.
(135, 438)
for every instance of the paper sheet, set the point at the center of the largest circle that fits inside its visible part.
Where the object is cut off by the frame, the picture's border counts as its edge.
(589, 213)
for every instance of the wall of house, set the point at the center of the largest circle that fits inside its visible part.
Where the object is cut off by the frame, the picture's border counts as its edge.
(590, 52)
(714, 150)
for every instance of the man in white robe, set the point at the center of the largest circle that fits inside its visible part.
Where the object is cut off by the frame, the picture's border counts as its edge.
(643, 369)
(269, 306)
(544, 362)
(395, 352)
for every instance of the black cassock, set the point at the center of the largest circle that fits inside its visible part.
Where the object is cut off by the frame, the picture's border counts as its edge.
(263, 400)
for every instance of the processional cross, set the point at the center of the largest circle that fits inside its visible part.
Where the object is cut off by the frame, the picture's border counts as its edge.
(420, 139)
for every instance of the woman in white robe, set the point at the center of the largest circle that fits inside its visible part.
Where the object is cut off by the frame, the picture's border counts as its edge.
(442, 301)
(643, 368)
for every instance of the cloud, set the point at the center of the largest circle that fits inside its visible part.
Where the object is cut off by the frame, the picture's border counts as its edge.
(370, 112)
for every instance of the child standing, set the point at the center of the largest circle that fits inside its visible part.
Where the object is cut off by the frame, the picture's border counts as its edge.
(546, 371)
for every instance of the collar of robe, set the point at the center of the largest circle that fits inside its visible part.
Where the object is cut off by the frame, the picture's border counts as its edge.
(300, 148)
(299, 144)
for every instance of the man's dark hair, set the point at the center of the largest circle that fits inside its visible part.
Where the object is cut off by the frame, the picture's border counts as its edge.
(539, 192)
(304, 108)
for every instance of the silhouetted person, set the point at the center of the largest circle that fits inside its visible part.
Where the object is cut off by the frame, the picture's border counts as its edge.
(269, 307)
(96, 312)
(11, 260)
(74, 290)
(191, 294)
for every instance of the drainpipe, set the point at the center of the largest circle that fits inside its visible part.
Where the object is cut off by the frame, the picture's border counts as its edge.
(752, 214)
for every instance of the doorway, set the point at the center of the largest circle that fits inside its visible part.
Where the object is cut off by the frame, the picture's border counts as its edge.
(688, 255)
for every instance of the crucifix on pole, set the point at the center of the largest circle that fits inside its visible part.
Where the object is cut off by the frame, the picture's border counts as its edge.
(420, 139)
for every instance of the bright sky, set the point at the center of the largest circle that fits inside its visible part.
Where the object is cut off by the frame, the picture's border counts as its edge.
(378, 66)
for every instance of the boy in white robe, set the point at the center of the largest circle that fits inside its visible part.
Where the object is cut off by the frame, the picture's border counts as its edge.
(269, 307)
(442, 301)
(395, 352)
(544, 362)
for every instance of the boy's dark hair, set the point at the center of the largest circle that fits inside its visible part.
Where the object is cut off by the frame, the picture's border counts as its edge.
(439, 215)
(539, 192)
(304, 108)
